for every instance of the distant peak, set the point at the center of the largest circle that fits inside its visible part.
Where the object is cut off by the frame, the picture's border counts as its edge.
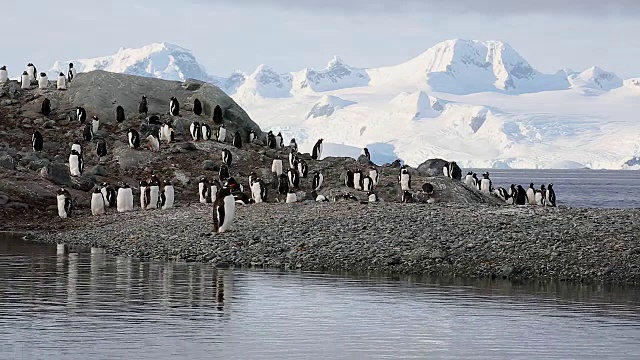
(156, 47)
(336, 60)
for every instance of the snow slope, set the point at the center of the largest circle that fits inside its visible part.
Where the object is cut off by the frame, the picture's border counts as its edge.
(477, 102)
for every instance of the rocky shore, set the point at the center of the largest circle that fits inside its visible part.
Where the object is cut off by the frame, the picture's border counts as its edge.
(519, 243)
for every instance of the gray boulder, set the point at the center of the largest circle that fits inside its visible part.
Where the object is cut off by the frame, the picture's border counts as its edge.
(7, 162)
(57, 173)
(130, 158)
(98, 170)
(38, 164)
(432, 167)
(209, 165)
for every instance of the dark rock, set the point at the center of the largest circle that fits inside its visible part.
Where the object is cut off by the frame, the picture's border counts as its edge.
(85, 183)
(98, 170)
(432, 167)
(7, 162)
(362, 159)
(187, 146)
(395, 260)
(18, 206)
(57, 173)
(4, 199)
(38, 164)
(49, 124)
(210, 165)
(634, 251)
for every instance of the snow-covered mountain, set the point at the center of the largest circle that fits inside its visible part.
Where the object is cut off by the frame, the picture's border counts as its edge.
(478, 102)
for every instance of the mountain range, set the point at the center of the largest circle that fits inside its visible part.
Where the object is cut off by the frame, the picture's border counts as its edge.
(477, 102)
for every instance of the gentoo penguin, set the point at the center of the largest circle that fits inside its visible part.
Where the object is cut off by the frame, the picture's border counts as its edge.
(372, 197)
(540, 195)
(108, 194)
(124, 200)
(87, 133)
(348, 178)
(195, 131)
(25, 81)
(512, 191)
(32, 72)
(550, 200)
(293, 145)
(153, 143)
(428, 188)
(197, 107)
(215, 186)
(227, 157)
(237, 140)
(233, 185)
(252, 136)
(166, 133)
(154, 120)
(271, 140)
(367, 183)
(4, 76)
(502, 194)
(154, 194)
(357, 180)
(61, 84)
(453, 171)
(174, 106)
(97, 202)
(468, 179)
(242, 198)
(373, 174)
(404, 179)
(476, 182)
(316, 154)
(291, 197)
(317, 180)
(217, 115)
(65, 203)
(45, 108)
(294, 178)
(142, 107)
(101, 148)
(144, 194)
(71, 73)
(119, 114)
(76, 165)
(485, 184)
(95, 123)
(36, 141)
(43, 81)
(521, 196)
(205, 130)
(221, 133)
(407, 197)
(303, 169)
(81, 114)
(258, 190)
(134, 138)
(366, 153)
(204, 189)
(224, 209)
(77, 147)
(279, 141)
(531, 195)
(276, 166)
(293, 158)
(223, 173)
(167, 197)
(283, 184)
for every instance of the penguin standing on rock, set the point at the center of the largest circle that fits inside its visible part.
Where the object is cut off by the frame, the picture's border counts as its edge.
(25, 81)
(95, 124)
(502, 194)
(4, 76)
(258, 191)
(76, 165)
(294, 178)
(485, 184)
(316, 154)
(36, 141)
(293, 145)
(214, 187)
(367, 183)
(43, 81)
(303, 169)
(317, 180)
(237, 140)
(276, 166)
(221, 134)
(348, 179)
(217, 115)
(174, 106)
(65, 203)
(291, 197)
(223, 174)
(271, 140)
(404, 179)
(71, 74)
(224, 208)
(283, 184)
(279, 141)
(468, 179)
(143, 108)
(108, 194)
(407, 197)
(204, 189)
(87, 134)
(101, 149)
(97, 202)
(167, 197)
(366, 153)
(252, 136)
(124, 200)
(32, 72)
(531, 195)
(45, 109)
(293, 159)
(372, 197)
(227, 157)
(167, 133)
(61, 84)
(144, 194)
(550, 199)
(81, 114)
(120, 114)
(540, 195)
(154, 194)
(521, 196)
(195, 130)
(153, 143)
(77, 147)
(357, 180)
(373, 174)
(205, 129)
(197, 107)
(134, 138)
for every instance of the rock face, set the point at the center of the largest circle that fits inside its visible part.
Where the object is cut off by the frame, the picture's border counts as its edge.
(57, 174)
(432, 167)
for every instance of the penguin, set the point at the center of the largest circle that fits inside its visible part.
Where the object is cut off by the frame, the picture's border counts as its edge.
(252, 136)
(512, 191)
(237, 140)
(197, 107)
(134, 138)
(95, 123)
(454, 171)
(276, 166)
(321, 198)
(373, 174)
(291, 197)
(77, 147)
(283, 184)
(153, 143)
(174, 106)
(540, 195)
(76, 165)
(316, 154)
(45, 108)
(521, 196)
(61, 84)
(119, 114)
(221, 134)
(142, 107)
(215, 186)
(294, 178)
(101, 149)
(485, 184)
(367, 183)
(372, 197)
(293, 145)
(502, 194)
(348, 179)
(366, 153)
(71, 73)
(303, 169)
(43, 81)
(550, 199)
(233, 185)
(271, 140)
(97, 202)
(468, 179)
(252, 177)
(279, 141)
(32, 72)
(258, 191)
(204, 190)
(154, 194)
(223, 173)
(346, 196)
(4, 76)
(108, 194)
(531, 195)
(293, 159)
(217, 115)
(205, 131)
(476, 182)
(227, 157)
(317, 180)
(36, 141)
(224, 208)
(65, 203)
(407, 197)
(166, 133)
(242, 198)
(357, 180)
(81, 114)
(428, 188)
(154, 120)
(195, 131)
(404, 179)
(144, 194)
(124, 200)
(87, 133)
(25, 81)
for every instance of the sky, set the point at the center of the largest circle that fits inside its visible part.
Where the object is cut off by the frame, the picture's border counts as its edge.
(289, 35)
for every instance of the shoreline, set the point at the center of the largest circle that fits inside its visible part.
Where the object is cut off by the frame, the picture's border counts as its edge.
(517, 243)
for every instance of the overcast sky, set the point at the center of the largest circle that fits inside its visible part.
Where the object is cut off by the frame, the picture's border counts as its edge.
(289, 35)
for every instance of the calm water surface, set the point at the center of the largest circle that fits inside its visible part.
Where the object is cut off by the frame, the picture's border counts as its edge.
(94, 306)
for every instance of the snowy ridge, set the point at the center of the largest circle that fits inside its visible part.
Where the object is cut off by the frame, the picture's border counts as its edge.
(595, 78)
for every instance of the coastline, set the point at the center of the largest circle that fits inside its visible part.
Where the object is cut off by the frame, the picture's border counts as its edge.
(517, 243)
